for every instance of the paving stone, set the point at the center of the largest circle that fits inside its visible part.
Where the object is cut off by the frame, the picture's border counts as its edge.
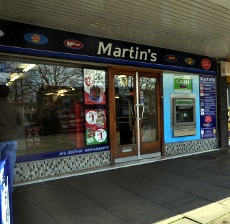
(165, 196)
(180, 221)
(33, 214)
(191, 205)
(207, 213)
(219, 168)
(212, 193)
(168, 178)
(22, 199)
(222, 220)
(142, 211)
(191, 161)
(223, 162)
(105, 193)
(178, 168)
(173, 220)
(58, 195)
(225, 202)
(213, 178)
(85, 214)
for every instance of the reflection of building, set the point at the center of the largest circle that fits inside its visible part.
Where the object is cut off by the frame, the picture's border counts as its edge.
(55, 115)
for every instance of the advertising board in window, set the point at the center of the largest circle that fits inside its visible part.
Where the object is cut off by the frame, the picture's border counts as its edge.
(182, 84)
(94, 87)
(96, 132)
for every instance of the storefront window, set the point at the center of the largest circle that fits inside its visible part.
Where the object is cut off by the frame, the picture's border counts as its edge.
(51, 99)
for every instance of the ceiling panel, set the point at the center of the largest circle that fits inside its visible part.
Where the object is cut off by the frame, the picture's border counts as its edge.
(198, 26)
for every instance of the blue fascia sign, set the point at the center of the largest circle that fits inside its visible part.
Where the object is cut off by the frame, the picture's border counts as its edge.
(39, 41)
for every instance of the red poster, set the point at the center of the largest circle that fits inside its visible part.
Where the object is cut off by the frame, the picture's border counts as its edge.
(96, 132)
(94, 87)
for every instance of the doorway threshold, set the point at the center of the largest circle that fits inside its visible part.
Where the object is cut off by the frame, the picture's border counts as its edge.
(135, 159)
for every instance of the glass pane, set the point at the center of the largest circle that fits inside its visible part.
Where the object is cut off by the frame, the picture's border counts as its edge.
(50, 98)
(124, 103)
(148, 98)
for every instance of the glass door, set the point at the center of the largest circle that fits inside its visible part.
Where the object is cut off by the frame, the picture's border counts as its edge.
(134, 115)
(150, 120)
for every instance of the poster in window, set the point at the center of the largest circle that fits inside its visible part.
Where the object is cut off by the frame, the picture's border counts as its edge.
(96, 132)
(94, 87)
(207, 107)
(182, 84)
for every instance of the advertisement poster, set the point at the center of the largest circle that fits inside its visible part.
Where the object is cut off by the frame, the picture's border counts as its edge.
(208, 107)
(182, 84)
(96, 132)
(94, 87)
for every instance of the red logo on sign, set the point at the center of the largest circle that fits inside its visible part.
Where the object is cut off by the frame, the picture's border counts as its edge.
(206, 63)
(36, 38)
(74, 44)
(208, 119)
(171, 58)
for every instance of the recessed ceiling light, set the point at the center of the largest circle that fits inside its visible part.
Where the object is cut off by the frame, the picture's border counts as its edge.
(1, 33)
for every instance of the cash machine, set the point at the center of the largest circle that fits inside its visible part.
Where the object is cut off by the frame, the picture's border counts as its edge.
(183, 114)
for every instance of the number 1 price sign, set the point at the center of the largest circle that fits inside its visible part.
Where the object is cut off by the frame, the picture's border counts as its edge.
(96, 132)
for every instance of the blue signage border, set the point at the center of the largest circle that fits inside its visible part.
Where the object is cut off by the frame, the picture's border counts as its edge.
(6, 206)
(62, 153)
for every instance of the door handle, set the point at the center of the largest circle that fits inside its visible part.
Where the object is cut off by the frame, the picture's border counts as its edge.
(142, 110)
(135, 111)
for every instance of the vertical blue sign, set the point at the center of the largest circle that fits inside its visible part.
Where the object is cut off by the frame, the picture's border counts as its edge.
(207, 107)
(6, 216)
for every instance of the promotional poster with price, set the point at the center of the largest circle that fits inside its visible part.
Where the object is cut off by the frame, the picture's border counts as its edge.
(96, 132)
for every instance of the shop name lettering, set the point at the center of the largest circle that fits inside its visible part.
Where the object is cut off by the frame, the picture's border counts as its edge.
(131, 53)
(80, 151)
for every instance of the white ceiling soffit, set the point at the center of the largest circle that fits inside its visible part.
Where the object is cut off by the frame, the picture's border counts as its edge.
(195, 26)
(223, 3)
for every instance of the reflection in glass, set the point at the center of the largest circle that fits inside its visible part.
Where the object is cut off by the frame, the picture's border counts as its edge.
(148, 99)
(124, 102)
(50, 98)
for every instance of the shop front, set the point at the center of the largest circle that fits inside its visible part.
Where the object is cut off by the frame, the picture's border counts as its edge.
(90, 102)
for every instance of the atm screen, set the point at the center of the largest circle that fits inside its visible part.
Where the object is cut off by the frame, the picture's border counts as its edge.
(184, 113)
(184, 116)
